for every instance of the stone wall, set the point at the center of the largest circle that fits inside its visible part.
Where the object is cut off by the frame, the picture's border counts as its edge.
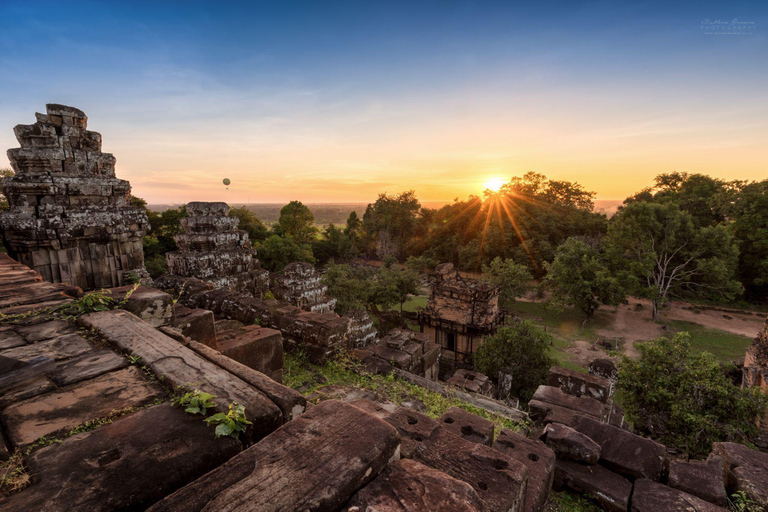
(756, 362)
(299, 284)
(70, 218)
(213, 250)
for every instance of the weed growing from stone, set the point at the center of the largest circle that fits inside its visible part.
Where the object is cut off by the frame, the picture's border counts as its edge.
(195, 402)
(231, 423)
(13, 475)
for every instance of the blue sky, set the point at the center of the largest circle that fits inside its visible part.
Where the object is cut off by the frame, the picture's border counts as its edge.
(337, 101)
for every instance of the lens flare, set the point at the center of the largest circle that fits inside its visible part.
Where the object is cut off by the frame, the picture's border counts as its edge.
(494, 184)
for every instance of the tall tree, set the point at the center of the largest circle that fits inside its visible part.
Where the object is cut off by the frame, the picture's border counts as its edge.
(578, 277)
(256, 229)
(297, 221)
(278, 251)
(513, 279)
(662, 253)
(390, 222)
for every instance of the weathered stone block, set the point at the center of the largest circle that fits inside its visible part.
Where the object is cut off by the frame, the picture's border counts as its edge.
(580, 384)
(747, 469)
(63, 410)
(571, 445)
(198, 324)
(409, 486)
(622, 451)
(127, 465)
(609, 489)
(537, 458)
(349, 448)
(150, 304)
(260, 348)
(703, 479)
(474, 382)
(499, 480)
(650, 496)
(469, 426)
(414, 428)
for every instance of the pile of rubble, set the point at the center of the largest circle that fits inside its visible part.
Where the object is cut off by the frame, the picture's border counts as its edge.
(70, 218)
(407, 350)
(299, 284)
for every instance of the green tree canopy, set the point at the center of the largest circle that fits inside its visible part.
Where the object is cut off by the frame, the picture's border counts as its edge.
(684, 399)
(390, 222)
(278, 251)
(523, 349)
(256, 229)
(513, 279)
(661, 253)
(351, 286)
(297, 221)
(578, 277)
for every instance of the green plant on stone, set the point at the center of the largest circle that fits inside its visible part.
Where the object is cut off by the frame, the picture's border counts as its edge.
(135, 359)
(195, 402)
(741, 502)
(231, 423)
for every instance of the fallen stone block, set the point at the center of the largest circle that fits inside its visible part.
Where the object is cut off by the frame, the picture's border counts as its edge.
(27, 389)
(65, 409)
(650, 496)
(315, 462)
(539, 460)
(198, 324)
(375, 408)
(581, 404)
(610, 490)
(86, 366)
(498, 479)
(150, 304)
(544, 412)
(703, 479)
(181, 366)
(626, 453)
(580, 384)
(256, 347)
(474, 382)
(63, 347)
(46, 330)
(14, 371)
(9, 339)
(413, 427)
(127, 465)
(408, 486)
(467, 425)
(571, 445)
(291, 402)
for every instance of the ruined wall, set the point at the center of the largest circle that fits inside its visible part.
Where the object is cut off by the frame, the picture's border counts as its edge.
(299, 284)
(756, 362)
(70, 218)
(213, 250)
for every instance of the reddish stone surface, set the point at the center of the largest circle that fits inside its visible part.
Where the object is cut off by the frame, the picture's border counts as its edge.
(260, 348)
(538, 458)
(468, 426)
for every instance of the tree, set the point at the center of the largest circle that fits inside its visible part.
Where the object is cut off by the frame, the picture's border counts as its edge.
(578, 277)
(419, 264)
(393, 286)
(390, 222)
(6, 172)
(350, 286)
(298, 222)
(278, 251)
(684, 399)
(334, 245)
(661, 253)
(521, 348)
(248, 222)
(513, 279)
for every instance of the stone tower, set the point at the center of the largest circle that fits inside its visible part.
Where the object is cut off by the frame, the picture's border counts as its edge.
(70, 218)
(213, 250)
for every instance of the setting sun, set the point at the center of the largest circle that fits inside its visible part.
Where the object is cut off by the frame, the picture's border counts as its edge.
(494, 184)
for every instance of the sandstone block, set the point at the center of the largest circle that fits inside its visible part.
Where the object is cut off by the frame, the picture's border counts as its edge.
(150, 304)
(571, 445)
(622, 451)
(414, 428)
(86, 366)
(260, 348)
(580, 384)
(498, 479)
(198, 324)
(65, 409)
(349, 448)
(539, 460)
(410, 486)
(127, 465)
(703, 479)
(467, 425)
(650, 496)
(609, 489)
(747, 469)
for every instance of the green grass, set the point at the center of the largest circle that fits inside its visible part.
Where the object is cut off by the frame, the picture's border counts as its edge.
(564, 327)
(413, 303)
(724, 345)
(298, 372)
(570, 502)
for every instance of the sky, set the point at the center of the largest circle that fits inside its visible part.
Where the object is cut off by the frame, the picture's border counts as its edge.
(340, 101)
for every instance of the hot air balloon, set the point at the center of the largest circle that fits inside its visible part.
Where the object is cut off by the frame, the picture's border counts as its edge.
(226, 182)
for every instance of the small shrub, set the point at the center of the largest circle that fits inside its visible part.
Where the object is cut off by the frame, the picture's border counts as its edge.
(195, 402)
(231, 423)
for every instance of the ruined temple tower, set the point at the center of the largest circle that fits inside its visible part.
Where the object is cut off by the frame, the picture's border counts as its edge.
(300, 285)
(213, 250)
(459, 313)
(755, 375)
(70, 218)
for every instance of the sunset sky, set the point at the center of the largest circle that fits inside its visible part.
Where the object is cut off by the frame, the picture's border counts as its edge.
(339, 101)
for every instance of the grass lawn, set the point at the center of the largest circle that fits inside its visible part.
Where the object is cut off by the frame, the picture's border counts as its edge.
(724, 345)
(564, 328)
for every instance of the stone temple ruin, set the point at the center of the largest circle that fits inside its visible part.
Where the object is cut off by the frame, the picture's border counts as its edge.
(755, 374)
(70, 218)
(213, 250)
(353, 450)
(299, 284)
(459, 313)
